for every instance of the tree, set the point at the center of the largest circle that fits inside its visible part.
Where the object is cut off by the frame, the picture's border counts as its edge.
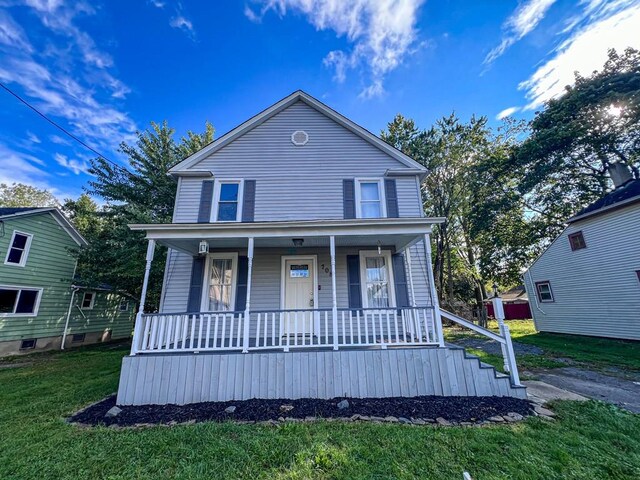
(22, 195)
(142, 194)
(482, 239)
(596, 122)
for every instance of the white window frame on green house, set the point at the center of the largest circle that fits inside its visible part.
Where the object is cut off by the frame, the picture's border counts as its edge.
(24, 251)
(211, 257)
(19, 289)
(217, 190)
(391, 290)
(381, 196)
(126, 305)
(91, 304)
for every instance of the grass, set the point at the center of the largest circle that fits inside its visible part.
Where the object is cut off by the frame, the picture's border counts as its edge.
(592, 352)
(589, 440)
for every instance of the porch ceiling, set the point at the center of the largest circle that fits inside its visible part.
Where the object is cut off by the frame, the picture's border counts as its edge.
(397, 232)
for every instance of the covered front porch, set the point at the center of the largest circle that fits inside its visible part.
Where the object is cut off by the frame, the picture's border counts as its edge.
(295, 285)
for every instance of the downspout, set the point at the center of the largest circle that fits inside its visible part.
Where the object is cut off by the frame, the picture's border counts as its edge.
(66, 324)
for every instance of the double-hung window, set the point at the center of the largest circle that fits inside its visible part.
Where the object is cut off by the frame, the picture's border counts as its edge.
(228, 201)
(370, 202)
(88, 299)
(543, 289)
(377, 279)
(19, 301)
(18, 249)
(220, 282)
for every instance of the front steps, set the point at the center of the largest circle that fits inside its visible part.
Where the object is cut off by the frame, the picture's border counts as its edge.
(376, 373)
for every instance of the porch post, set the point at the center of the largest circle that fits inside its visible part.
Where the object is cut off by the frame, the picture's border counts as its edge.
(432, 288)
(247, 314)
(498, 312)
(137, 332)
(332, 248)
(407, 256)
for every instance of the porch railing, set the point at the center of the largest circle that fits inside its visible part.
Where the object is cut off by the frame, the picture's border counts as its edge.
(284, 330)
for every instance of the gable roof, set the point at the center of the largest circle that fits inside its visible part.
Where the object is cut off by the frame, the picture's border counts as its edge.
(280, 106)
(8, 213)
(623, 195)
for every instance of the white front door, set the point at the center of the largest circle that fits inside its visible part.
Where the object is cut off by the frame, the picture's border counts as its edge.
(299, 294)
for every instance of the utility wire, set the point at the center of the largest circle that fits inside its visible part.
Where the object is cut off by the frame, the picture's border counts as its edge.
(61, 128)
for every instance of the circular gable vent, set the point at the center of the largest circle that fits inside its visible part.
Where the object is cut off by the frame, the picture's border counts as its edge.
(299, 137)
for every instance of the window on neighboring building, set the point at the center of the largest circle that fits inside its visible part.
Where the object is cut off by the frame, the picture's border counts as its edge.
(221, 282)
(228, 205)
(369, 198)
(18, 249)
(124, 305)
(544, 291)
(78, 337)
(19, 301)
(576, 240)
(29, 344)
(377, 283)
(88, 299)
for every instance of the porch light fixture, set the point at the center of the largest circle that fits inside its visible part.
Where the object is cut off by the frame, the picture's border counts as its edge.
(297, 242)
(203, 248)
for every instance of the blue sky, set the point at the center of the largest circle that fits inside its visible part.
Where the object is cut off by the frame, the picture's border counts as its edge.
(104, 69)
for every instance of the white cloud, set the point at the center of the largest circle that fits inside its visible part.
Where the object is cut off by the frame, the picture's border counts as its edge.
(182, 23)
(607, 25)
(382, 33)
(68, 77)
(507, 112)
(33, 138)
(158, 3)
(76, 166)
(522, 21)
(178, 20)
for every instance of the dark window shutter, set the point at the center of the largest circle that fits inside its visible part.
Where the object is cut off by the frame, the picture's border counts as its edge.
(353, 276)
(349, 198)
(391, 195)
(241, 284)
(400, 277)
(195, 286)
(249, 201)
(206, 202)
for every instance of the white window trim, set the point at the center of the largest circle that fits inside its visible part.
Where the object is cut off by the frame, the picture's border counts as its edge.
(204, 301)
(539, 294)
(363, 276)
(36, 307)
(358, 195)
(93, 301)
(216, 199)
(126, 306)
(25, 252)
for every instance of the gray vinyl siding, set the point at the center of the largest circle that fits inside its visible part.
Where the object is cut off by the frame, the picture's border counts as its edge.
(309, 177)
(266, 278)
(596, 290)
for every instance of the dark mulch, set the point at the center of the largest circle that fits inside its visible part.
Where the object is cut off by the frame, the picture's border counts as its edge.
(454, 409)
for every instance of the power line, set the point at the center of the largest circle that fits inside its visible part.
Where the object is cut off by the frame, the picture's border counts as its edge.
(61, 128)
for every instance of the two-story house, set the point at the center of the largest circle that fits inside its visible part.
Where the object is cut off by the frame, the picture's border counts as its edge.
(298, 266)
(42, 306)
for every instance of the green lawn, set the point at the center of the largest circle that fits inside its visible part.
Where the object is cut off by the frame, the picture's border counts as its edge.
(590, 440)
(593, 352)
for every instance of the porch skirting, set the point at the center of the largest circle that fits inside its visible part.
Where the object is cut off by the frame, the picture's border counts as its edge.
(395, 372)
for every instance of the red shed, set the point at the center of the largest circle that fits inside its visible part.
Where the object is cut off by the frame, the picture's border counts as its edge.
(516, 304)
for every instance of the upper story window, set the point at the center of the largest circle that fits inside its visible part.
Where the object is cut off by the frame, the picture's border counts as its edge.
(18, 249)
(227, 201)
(370, 198)
(124, 305)
(576, 240)
(543, 289)
(88, 299)
(18, 301)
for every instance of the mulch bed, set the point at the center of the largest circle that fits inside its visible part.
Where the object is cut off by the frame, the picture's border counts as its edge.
(453, 409)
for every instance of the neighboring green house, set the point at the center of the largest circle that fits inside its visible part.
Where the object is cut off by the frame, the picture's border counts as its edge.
(41, 306)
